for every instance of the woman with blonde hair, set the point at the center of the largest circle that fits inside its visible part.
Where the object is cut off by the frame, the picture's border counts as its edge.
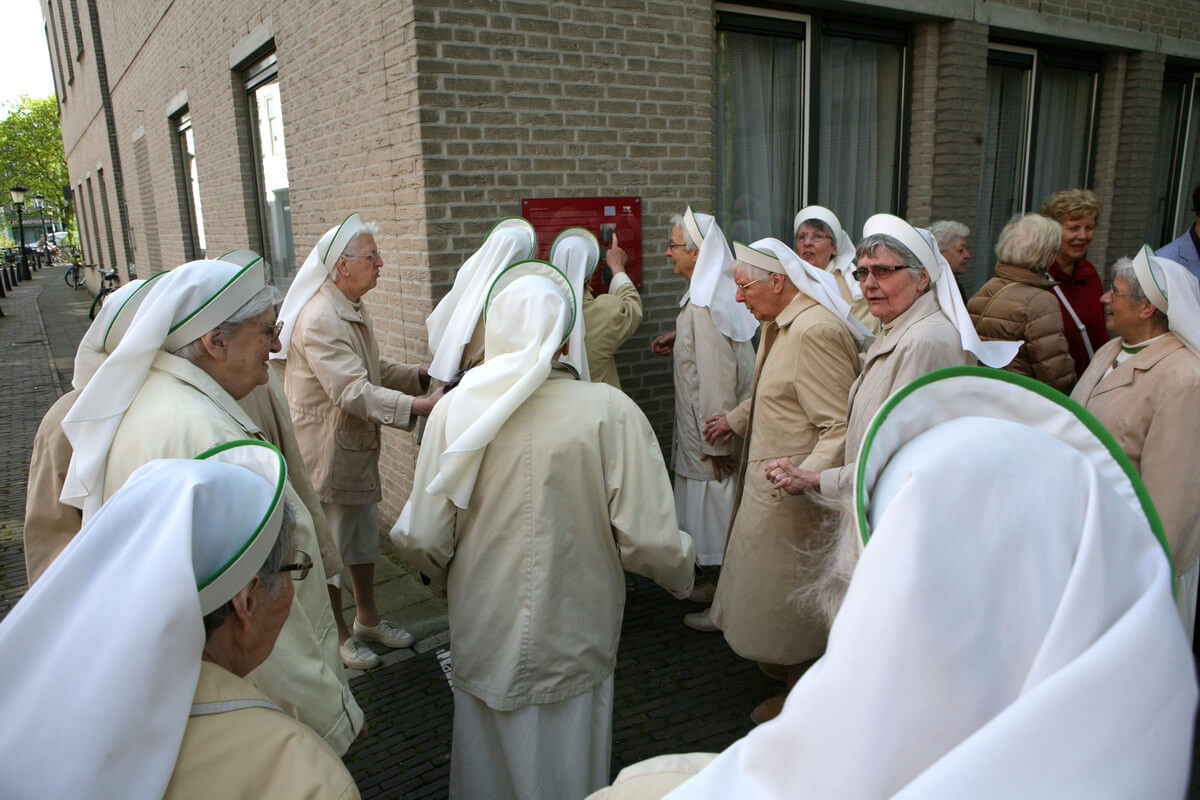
(1078, 287)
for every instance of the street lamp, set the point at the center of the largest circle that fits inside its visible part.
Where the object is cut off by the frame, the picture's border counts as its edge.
(18, 199)
(39, 202)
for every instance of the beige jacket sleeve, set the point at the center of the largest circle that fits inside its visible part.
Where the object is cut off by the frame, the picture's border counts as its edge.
(641, 505)
(343, 375)
(716, 376)
(826, 368)
(404, 378)
(424, 535)
(1169, 466)
(623, 313)
(49, 524)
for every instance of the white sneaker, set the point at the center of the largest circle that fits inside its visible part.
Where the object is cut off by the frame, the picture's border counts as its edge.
(388, 634)
(700, 621)
(356, 655)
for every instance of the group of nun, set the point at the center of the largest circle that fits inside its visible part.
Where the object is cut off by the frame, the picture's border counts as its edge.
(996, 597)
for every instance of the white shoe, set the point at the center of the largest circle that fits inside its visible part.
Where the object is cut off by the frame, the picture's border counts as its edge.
(700, 621)
(388, 634)
(356, 655)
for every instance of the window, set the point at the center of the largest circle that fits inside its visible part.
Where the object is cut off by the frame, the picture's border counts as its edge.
(66, 42)
(1176, 158)
(108, 227)
(195, 245)
(1038, 125)
(270, 166)
(794, 92)
(97, 252)
(78, 30)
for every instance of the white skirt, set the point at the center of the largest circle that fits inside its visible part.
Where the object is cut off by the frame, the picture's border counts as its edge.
(555, 751)
(704, 509)
(1185, 598)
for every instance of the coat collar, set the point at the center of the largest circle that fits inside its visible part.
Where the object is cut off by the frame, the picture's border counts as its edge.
(797, 306)
(1012, 272)
(341, 304)
(1123, 374)
(924, 306)
(183, 370)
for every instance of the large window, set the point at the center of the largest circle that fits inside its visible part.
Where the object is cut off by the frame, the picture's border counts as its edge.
(188, 180)
(1038, 125)
(807, 112)
(1177, 158)
(270, 161)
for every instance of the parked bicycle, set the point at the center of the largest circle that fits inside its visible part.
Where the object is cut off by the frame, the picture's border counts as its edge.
(74, 275)
(109, 283)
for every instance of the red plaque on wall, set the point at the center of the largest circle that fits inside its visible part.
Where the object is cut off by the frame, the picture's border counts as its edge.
(604, 216)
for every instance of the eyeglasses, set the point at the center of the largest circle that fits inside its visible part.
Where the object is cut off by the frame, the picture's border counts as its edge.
(273, 330)
(673, 245)
(881, 273)
(744, 286)
(812, 237)
(1112, 291)
(374, 255)
(302, 566)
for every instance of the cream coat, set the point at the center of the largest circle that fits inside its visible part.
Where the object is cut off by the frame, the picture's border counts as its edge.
(712, 373)
(268, 409)
(180, 412)
(252, 753)
(535, 609)
(1148, 404)
(49, 524)
(340, 391)
(609, 320)
(806, 364)
(920, 340)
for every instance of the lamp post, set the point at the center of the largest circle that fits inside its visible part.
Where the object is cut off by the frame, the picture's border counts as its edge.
(39, 202)
(18, 199)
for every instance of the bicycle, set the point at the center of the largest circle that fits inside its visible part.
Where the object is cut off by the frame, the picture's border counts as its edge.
(109, 283)
(74, 275)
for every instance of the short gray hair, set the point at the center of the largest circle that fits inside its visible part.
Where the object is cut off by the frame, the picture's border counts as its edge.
(688, 243)
(947, 232)
(264, 298)
(1031, 241)
(820, 225)
(1123, 268)
(368, 229)
(268, 574)
(871, 245)
(753, 272)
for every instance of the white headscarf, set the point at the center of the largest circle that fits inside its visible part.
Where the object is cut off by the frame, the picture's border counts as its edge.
(712, 285)
(924, 247)
(101, 657)
(107, 330)
(316, 268)
(186, 303)
(775, 256)
(576, 252)
(843, 260)
(530, 312)
(453, 321)
(1172, 289)
(1009, 630)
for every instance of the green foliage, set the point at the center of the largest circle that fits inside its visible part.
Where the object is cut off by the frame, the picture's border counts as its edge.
(31, 152)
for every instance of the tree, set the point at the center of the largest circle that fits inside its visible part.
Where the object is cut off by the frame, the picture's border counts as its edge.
(31, 152)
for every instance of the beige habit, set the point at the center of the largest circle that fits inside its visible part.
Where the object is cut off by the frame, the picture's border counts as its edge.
(860, 308)
(920, 340)
(1148, 404)
(251, 751)
(49, 523)
(608, 321)
(304, 673)
(806, 364)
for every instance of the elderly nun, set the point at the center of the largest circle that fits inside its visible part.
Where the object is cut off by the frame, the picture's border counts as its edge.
(572, 474)
(176, 589)
(1143, 387)
(200, 343)
(50, 523)
(1021, 642)
(807, 361)
(456, 324)
(821, 241)
(911, 290)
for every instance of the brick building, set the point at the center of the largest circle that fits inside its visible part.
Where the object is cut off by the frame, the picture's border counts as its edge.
(199, 127)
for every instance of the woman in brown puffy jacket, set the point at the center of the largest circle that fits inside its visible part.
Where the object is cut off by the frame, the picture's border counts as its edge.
(1015, 304)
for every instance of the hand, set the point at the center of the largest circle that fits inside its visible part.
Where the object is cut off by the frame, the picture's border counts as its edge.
(423, 375)
(663, 344)
(422, 406)
(616, 257)
(717, 430)
(722, 465)
(783, 474)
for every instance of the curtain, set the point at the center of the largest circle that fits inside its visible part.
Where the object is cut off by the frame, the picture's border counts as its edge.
(1002, 162)
(1063, 138)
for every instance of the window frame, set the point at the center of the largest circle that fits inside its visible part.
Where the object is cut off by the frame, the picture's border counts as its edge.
(261, 69)
(194, 242)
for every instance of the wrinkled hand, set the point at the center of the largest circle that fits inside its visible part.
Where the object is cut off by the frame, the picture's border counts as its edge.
(717, 430)
(422, 406)
(423, 375)
(616, 257)
(783, 474)
(722, 465)
(663, 344)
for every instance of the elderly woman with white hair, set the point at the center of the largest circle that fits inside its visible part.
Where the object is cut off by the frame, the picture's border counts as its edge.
(175, 590)
(1016, 304)
(199, 343)
(951, 237)
(1143, 387)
